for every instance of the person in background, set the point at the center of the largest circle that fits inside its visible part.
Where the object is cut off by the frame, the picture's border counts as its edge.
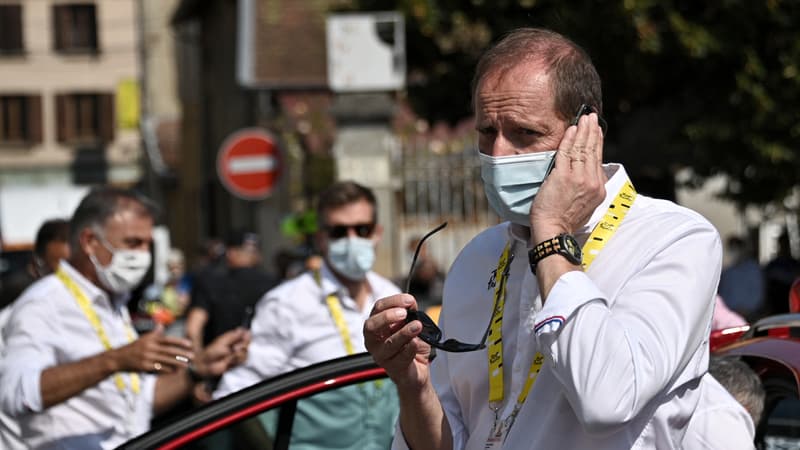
(225, 298)
(732, 401)
(50, 247)
(741, 284)
(581, 322)
(779, 274)
(178, 287)
(318, 316)
(74, 373)
(723, 316)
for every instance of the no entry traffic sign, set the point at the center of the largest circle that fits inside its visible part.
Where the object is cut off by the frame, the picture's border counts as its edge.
(248, 164)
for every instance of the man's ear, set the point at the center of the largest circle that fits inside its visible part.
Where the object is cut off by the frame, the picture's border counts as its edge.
(86, 239)
(378, 233)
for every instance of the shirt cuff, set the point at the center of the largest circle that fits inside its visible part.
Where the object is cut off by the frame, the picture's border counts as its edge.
(31, 392)
(571, 291)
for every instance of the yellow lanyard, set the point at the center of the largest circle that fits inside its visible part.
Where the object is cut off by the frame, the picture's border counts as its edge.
(600, 235)
(335, 308)
(94, 320)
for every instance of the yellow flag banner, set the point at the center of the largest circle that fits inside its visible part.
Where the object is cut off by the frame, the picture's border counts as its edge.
(128, 104)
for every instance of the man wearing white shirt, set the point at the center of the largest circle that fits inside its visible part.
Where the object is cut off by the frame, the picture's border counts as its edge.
(594, 302)
(318, 316)
(732, 401)
(74, 372)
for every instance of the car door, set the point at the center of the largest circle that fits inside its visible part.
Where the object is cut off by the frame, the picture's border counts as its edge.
(343, 403)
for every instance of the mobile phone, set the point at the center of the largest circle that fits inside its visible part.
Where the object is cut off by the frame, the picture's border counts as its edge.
(584, 110)
(247, 319)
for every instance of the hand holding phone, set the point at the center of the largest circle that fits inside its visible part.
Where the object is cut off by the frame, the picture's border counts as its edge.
(584, 110)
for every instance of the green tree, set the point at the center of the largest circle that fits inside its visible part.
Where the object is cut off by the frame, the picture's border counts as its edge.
(707, 85)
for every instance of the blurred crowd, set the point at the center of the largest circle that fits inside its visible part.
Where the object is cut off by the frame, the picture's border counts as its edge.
(749, 290)
(324, 286)
(85, 299)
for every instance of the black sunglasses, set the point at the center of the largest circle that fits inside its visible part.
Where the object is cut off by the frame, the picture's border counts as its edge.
(363, 230)
(431, 333)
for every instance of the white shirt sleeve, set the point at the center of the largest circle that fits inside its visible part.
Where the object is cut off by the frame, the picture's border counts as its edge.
(720, 429)
(27, 353)
(720, 422)
(614, 357)
(271, 347)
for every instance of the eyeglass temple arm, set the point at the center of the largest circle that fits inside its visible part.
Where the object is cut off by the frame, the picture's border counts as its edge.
(416, 253)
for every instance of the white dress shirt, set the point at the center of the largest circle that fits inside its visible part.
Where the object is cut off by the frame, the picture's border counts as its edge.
(719, 422)
(293, 328)
(48, 328)
(10, 438)
(625, 343)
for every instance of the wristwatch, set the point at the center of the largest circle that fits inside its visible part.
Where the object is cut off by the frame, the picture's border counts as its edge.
(564, 244)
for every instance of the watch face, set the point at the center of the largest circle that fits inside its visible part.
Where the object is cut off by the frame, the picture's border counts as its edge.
(573, 248)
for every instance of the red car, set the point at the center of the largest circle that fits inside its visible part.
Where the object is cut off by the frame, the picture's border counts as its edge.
(771, 347)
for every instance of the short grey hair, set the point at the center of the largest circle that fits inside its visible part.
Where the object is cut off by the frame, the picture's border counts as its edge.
(103, 202)
(574, 79)
(741, 381)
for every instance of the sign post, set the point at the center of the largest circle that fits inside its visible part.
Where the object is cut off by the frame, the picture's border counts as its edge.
(248, 164)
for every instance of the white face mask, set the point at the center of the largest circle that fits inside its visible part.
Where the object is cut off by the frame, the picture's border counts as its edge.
(352, 256)
(512, 182)
(126, 269)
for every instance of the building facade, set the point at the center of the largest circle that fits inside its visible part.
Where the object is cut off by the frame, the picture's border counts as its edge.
(69, 91)
(69, 95)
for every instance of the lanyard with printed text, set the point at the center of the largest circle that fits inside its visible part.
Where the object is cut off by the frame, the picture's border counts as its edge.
(94, 320)
(600, 235)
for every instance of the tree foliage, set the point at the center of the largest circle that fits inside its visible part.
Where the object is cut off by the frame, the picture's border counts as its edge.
(707, 85)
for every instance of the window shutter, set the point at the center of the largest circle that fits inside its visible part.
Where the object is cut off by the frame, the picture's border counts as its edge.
(34, 119)
(13, 20)
(60, 26)
(107, 117)
(62, 119)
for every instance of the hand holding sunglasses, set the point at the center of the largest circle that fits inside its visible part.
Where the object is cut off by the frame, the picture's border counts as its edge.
(431, 334)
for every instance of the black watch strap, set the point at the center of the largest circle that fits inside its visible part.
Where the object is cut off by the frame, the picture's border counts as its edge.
(564, 244)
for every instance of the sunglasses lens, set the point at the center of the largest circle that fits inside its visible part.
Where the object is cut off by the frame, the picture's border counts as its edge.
(431, 333)
(363, 230)
(337, 231)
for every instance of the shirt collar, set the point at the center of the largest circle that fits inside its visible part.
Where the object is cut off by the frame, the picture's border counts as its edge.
(332, 285)
(616, 178)
(92, 291)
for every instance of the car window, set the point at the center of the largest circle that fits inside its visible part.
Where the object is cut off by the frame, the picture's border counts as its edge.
(360, 416)
(783, 425)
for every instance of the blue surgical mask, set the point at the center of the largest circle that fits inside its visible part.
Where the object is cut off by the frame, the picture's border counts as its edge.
(352, 256)
(512, 182)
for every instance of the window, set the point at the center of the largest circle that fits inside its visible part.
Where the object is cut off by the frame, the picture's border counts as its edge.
(20, 119)
(10, 29)
(85, 118)
(349, 417)
(75, 28)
